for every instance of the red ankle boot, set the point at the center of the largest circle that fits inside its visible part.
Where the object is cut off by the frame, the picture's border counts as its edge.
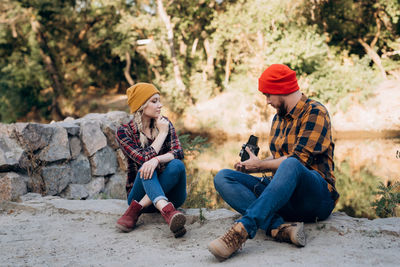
(175, 219)
(128, 221)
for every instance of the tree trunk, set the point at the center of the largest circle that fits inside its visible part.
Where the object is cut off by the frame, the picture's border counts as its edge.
(374, 56)
(194, 46)
(210, 58)
(228, 66)
(127, 69)
(170, 34)
(51, 68)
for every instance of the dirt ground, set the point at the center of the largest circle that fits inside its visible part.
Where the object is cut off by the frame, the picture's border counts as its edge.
(51, 231)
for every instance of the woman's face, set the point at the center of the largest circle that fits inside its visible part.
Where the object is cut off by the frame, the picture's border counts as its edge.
(153, 108)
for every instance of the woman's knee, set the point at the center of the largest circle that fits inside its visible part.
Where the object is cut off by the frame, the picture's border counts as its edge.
(177, 165)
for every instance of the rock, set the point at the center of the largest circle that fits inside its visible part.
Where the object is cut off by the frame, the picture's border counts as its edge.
(115, 188)
(80, 170)
(71, 128)
(109, 128)
(67, 152)
(104, 162)
(56, 178)
(58, 148)
(93, 117)
(12, 186)
(92, 137)
(36, 136)
(95, 186)
(122, 162)
(12, 129)
(10, 153)
(75, 191)
(75, 147)
(31, 196)
(118, 117)
(69, 119)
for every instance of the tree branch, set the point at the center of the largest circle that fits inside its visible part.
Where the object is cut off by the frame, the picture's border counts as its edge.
(374, 56)
(127, 69)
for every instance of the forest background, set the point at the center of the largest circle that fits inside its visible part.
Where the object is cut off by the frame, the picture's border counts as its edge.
(58, 56)
(67, 58)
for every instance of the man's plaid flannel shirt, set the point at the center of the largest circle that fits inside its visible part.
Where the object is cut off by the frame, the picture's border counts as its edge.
(128, 138)
(305, 133)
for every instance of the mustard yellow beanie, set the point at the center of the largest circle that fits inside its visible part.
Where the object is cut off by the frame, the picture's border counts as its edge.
(139, 93)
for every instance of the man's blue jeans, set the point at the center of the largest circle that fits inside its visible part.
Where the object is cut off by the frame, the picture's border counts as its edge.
(294, 194)
(169, 185)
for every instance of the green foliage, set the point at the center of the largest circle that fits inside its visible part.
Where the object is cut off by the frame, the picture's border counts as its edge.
(300, 48)
(58, 40)
(346, 22)
(197, 193)
(219, 46)
(20, 83)
(196, 199)
(192, 145)
(335, 80)
(137, 26)
(21, 72)
(355, 187)
(388, 200)
(279, 32)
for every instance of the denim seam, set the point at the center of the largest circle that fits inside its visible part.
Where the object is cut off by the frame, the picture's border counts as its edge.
(159, 198)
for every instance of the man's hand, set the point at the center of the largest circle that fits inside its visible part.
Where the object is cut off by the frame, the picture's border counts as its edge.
(250, 165)
(147, 169)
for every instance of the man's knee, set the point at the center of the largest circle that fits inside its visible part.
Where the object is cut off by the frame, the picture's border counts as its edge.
(220, 178)
(290, 163)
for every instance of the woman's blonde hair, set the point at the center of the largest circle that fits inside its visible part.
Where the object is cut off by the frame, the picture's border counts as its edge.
(137, 118)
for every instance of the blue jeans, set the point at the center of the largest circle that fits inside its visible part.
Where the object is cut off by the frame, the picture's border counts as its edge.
(169, 185)
(294, 194)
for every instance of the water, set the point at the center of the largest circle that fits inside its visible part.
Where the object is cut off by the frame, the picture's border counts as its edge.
(360, 165)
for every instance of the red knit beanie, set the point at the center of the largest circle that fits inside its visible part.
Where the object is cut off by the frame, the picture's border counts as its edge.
(278, 79)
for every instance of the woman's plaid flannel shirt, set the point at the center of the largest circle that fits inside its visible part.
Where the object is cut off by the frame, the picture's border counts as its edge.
(305, 133)
(128, 138)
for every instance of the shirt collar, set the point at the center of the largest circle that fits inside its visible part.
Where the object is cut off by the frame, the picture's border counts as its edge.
(295, 112)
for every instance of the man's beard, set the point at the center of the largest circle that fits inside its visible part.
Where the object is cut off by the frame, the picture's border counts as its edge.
(281, 110)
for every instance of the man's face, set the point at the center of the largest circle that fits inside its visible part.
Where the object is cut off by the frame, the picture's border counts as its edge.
(278, 103)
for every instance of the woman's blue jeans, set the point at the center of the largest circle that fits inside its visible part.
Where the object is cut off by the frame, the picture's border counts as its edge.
(294, 194)
(169, 185)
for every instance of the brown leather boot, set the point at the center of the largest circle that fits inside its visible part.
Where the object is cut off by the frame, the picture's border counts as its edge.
(128, 221)
(291, 233)
(224, 246)
(175, 220)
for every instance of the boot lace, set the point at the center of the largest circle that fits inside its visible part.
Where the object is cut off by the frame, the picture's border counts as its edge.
(234, 239)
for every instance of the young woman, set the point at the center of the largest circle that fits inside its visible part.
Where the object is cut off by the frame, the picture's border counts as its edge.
(156, 174)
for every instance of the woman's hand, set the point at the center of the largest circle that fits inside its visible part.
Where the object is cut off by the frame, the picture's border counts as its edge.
(162, 124)
(147, 169)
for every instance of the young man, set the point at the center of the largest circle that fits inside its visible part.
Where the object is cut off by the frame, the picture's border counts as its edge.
(303, 185)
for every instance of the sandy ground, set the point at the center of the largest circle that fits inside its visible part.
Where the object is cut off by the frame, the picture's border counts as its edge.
(51, 231)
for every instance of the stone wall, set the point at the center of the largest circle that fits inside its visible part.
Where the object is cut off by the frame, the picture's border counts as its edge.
(74, 159)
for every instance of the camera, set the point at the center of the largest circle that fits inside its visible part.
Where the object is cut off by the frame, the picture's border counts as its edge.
(252, 145)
